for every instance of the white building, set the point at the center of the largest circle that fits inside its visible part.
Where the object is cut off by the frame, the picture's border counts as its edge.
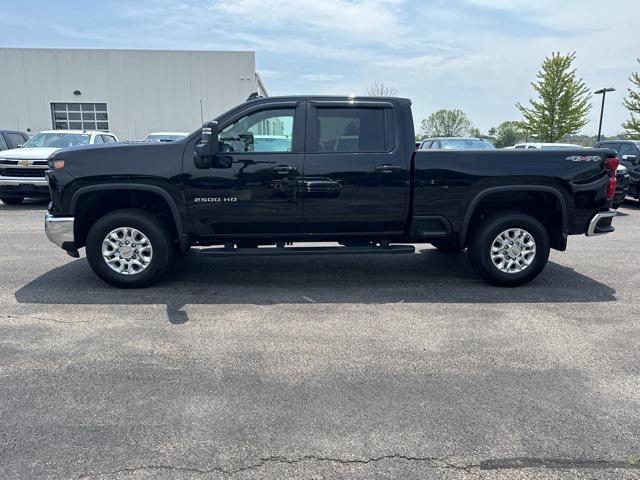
(129, 92)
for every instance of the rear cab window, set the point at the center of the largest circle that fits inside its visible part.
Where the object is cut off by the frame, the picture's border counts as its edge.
(351, 130)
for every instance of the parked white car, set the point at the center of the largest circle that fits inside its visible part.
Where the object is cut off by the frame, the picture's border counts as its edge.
(545, 146)
(22, 169)
(165, 136)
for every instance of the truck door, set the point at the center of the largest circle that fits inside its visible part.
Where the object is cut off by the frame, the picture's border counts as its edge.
(258, 194)
(356, 175)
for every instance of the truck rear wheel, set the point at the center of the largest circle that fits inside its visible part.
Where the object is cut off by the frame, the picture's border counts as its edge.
(129, 248)
(12, 200)
(509, 249)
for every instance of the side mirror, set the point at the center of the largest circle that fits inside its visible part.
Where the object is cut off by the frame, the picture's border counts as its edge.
(630, 158)
(207, 149)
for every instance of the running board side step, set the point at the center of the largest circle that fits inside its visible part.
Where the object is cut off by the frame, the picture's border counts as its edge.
(274, 251)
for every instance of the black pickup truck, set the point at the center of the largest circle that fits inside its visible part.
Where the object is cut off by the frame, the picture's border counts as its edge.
(278, 170)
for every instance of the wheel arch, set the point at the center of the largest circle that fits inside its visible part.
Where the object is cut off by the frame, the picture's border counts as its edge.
(558, 238)
(75, 206)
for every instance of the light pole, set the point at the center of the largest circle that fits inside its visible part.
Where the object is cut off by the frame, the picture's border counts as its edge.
(602, 92)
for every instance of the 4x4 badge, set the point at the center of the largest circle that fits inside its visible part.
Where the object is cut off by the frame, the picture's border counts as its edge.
(584, 158)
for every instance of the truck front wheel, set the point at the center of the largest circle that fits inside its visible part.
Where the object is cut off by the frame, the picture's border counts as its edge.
(509, 249)
(129, 248)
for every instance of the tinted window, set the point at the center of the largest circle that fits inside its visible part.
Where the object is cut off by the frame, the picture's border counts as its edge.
(3, 143)
(98, 139)
(626, 149)
(608, 145)
(108, 139)
(426, 144)
(520, 147)
(14, 139)
(263, 131)
(350, 130)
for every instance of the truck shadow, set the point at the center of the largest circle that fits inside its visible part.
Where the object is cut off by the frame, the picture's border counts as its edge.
(430, 277)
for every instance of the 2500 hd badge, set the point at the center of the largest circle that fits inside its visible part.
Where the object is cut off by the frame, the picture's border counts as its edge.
(214, 199)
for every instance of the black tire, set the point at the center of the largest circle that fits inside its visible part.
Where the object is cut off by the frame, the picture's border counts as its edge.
(446, 246)
(148, 224)
(12, 200)
(483, 236)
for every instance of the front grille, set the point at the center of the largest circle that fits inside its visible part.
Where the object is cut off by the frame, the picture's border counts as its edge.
(22, 172)
(16, 162)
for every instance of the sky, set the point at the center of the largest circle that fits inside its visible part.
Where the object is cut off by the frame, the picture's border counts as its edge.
(479, 56)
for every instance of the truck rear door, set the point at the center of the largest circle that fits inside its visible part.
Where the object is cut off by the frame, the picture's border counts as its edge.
(356, 175)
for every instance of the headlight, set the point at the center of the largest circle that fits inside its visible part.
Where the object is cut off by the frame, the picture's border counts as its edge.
(56, 164)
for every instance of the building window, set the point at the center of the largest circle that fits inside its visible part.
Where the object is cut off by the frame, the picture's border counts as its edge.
(79, 116)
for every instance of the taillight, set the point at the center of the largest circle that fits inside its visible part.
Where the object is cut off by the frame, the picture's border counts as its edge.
(611, 164)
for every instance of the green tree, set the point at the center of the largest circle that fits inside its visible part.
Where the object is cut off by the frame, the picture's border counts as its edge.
(507, 134)
(563, 101)
(632, 102)
(446, 123)
(475, 132)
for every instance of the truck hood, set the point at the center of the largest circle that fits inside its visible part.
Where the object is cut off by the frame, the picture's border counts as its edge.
(123, 160)
(28, 153)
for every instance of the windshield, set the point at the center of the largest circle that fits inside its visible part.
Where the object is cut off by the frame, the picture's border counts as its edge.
(58, 140)
(451, 144)
(163, 138)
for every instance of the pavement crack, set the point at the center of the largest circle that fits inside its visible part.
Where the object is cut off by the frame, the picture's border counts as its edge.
(45, 319)
(555, 463)
(432, 461)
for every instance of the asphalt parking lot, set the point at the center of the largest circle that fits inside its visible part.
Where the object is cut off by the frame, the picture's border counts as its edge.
(310, 367)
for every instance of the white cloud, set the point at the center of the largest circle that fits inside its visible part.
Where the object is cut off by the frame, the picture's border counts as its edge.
(371, 20)
(478, 55)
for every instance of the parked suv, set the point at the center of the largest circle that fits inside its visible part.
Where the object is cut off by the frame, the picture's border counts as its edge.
(22, 169)
(165, 136)
(629, 155)
(622, 186)
(455, 143)
(12, 139)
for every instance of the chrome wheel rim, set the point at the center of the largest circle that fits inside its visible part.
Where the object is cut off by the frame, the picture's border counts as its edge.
(127, 251)
(513, 250)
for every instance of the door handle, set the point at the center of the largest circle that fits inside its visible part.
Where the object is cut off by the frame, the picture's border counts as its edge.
(388, 168)
(285, 169)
